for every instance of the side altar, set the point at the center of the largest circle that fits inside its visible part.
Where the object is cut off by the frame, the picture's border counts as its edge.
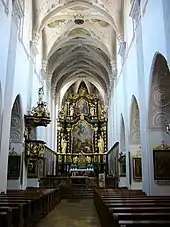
(81, 135)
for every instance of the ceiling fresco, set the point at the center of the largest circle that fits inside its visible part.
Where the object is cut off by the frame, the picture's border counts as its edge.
(79, 39)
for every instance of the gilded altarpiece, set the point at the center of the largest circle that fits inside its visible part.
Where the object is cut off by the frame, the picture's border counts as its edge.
(81, 133)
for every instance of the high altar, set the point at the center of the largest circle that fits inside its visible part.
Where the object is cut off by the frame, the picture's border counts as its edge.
(81, 135)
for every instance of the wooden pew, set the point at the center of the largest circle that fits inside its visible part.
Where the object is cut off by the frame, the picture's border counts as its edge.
(124, 208)
(27, 207)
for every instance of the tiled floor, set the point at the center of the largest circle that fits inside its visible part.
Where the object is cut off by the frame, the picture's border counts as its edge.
(78, 213)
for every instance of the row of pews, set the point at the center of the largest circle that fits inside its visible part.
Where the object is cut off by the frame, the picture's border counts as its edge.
(26, 208)
(131, 208)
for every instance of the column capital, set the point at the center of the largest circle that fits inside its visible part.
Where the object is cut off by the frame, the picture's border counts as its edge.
(44, 65)
(34, 43)
(48, 80)
(114, 69)
(53, 92)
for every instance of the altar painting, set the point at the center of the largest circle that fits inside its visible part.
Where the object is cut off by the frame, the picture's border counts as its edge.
(82, 137)
(82, 107)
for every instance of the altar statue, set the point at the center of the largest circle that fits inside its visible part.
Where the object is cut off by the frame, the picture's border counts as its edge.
(63, 145)
(92, 110)
(71, 110)
(101, 145)
(61, 113)
(88, 159)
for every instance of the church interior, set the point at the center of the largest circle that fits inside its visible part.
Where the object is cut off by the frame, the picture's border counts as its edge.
(84, 113)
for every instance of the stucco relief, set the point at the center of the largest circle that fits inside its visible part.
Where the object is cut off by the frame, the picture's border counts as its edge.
(16, 123)
(159, 108)
(160, 105)
(135, 124)
(15, 136)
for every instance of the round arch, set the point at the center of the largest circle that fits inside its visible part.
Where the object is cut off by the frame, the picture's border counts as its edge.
(135, 145)
(159, 94)
(122, 135)
(52, 14)
(17, 122)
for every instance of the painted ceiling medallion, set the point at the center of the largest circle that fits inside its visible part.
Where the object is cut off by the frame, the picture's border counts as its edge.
(79, 19)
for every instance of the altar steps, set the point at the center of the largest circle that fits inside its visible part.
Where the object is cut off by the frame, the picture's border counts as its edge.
(78, 193)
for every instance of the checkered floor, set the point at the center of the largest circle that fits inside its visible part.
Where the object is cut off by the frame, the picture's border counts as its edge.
(72, 213)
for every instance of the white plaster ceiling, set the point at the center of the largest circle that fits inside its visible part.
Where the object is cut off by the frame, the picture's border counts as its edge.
(72, 50)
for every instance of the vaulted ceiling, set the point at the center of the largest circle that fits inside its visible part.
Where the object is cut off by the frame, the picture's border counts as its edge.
(79, 40)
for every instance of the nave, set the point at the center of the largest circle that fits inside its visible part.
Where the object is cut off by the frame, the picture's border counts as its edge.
(98, 207)
(73, 213)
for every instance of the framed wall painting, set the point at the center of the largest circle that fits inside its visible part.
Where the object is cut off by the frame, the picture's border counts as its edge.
(122, 166)
(161, 162)
(137, 168)
(14, 167)
(130, 171)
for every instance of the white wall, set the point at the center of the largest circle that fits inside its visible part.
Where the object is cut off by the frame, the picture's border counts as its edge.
(20, 74)
(151, 36)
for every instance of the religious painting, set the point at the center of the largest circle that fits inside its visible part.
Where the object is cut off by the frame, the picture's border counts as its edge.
(161, 161)
(102, 180)
(82, 137)
(14, 166)
(122, 166)
(82, 107)
(137, 168)
(130, 170)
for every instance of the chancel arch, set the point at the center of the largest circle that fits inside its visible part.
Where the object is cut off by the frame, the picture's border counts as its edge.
(135, 155)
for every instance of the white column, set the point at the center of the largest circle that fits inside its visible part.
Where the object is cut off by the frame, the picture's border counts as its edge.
(52, 119)
(6, 118)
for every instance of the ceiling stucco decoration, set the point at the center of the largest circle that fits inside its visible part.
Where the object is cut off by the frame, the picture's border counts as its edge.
(79, 38)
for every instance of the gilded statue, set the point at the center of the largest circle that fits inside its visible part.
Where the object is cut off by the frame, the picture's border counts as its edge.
(101, 145)
(61, 113)
(71, 110)
(63, 145)
(75, 159)
(82, 91)
(88, 159)
(92, 110)
(40, 94)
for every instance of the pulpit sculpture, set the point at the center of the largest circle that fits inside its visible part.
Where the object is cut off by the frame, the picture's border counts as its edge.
(71, 111)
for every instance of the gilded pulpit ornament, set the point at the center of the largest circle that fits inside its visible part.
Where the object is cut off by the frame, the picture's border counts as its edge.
(38, 116)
